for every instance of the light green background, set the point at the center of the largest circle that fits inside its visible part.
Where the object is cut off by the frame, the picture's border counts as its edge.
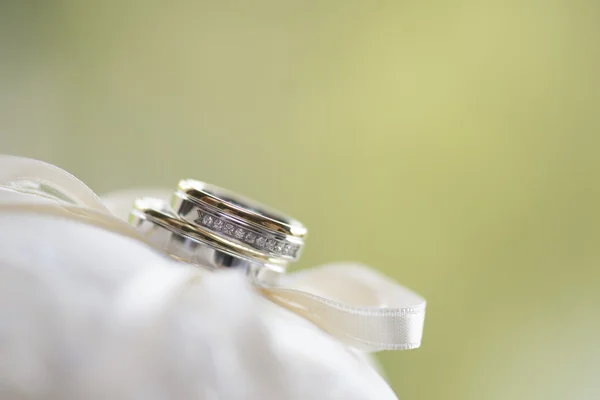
(453, 145)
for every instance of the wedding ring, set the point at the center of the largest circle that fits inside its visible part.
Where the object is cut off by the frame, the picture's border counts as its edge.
(183, 241)
(238, 220)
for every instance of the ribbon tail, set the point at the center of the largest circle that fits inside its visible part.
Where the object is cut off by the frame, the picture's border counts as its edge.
(357, 305)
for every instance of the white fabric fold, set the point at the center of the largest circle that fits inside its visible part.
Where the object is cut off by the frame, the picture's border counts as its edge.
(351, 302)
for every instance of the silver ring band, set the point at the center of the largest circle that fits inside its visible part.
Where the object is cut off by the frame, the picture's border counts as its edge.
(181, 240)
(238, 219)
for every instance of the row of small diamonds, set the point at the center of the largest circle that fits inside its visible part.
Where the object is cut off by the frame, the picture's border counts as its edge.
(231, 229)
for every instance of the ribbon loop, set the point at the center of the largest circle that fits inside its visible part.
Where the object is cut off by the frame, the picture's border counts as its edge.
(359, 306)
(36, 177)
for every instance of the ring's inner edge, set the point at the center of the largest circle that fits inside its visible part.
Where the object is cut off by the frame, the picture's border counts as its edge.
(239, 202)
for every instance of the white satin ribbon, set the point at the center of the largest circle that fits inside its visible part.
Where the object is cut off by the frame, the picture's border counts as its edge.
(353, 303)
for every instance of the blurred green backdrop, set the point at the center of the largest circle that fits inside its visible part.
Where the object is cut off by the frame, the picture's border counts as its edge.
(453, 145)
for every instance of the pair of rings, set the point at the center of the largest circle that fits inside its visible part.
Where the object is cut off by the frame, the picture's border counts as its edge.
(215, 228)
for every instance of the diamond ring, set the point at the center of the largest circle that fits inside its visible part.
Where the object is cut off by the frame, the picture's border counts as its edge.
(238, 220)
(185, 242)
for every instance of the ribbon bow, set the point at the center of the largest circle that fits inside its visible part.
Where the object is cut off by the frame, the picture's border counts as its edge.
(353, 303)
